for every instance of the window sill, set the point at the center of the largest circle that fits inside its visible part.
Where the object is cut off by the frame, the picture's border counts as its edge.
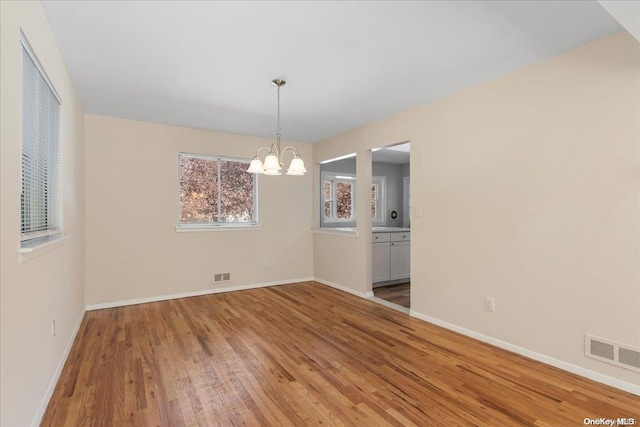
(36, 247)
(350, 232)
(207, 228)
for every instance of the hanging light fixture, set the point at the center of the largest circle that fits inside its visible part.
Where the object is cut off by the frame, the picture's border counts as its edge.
(275, 159)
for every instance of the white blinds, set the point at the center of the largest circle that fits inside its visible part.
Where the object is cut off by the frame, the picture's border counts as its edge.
(41, 201)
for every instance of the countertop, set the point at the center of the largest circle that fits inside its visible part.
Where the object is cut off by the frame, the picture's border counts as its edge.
(389, 229)
(354, 229)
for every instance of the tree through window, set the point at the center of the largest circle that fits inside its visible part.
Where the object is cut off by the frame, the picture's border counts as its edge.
(344, 200)
(216, 191)
(378, 199)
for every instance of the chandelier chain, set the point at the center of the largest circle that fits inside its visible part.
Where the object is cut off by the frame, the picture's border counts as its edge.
(278, 112)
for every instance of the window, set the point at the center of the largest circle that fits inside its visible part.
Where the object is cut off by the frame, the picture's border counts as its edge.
(338, 193)
(378, 199)
(216, 191)
(338, 197)
(41, 191)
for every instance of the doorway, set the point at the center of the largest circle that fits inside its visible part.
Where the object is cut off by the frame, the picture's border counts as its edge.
(391, 226)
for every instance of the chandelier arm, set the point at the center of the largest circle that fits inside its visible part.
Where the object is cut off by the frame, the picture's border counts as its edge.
(293, 149)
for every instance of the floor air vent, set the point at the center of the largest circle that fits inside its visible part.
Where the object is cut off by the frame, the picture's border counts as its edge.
(612, 352)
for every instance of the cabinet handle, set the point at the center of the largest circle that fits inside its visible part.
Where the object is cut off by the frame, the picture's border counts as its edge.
(377, 237)
(404, 237)
(393, 244)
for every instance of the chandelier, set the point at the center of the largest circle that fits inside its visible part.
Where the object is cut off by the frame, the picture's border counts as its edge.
(275, 159)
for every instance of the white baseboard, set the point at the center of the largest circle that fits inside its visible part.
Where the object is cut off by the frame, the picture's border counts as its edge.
(391, 305)
(37, 418)
(113, 304)
(341, 288)
(565, 366)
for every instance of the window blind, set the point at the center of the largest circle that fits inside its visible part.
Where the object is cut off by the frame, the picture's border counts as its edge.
(40, 198)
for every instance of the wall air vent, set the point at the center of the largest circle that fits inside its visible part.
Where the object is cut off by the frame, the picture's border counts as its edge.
(602, 349)
(629, 357)
(221, 277)
(612, 352)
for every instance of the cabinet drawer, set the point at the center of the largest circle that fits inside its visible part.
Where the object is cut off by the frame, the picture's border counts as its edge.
(401, 237)
(380, 237)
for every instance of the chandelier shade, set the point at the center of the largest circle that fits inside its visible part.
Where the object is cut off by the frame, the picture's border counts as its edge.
(255, 166)
(296, 167)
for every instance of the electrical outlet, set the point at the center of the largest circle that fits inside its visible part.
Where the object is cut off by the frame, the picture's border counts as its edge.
(53, 329)
(266, 263)
(489, 304)
(418, 211)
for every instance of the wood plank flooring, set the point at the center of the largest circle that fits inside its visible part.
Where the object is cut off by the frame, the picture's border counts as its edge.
(306, 354)
(398, 294)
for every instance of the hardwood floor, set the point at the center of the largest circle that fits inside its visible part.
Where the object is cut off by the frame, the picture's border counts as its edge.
(306, 354)
(398, 294)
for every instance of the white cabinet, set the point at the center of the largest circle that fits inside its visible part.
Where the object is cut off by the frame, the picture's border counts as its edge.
(381, 237)
(381, 259)
(400, 237)
(391, 254)
(400, 257)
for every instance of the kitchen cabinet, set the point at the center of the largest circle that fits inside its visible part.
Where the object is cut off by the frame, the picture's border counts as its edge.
(391, 255)
(399, 260)
(381, 259)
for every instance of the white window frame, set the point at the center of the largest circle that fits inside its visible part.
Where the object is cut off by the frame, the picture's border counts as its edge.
(185, 226)
(52, 180)
(337, 178)
(381, 201)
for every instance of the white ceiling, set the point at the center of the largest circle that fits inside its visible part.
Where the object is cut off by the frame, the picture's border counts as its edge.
(397, 154)
(210, 64)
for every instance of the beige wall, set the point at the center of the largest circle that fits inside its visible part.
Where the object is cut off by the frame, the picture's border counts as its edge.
(345, 260)
(530, 187)
(133, 249)
(50, 286)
